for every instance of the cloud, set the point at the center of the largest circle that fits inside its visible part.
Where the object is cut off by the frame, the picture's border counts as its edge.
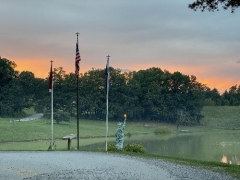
(136, 34)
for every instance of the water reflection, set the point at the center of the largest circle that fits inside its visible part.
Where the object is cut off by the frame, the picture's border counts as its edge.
(224, 159)
(233, 157)
(231, 160)
(207, 147)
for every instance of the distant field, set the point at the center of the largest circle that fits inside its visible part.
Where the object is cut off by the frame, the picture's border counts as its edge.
(36, 134)
(224, 117)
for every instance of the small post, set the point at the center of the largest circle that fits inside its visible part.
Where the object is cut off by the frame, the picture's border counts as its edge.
(69, 143)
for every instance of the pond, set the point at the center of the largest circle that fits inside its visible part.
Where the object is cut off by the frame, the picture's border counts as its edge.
(218, 147)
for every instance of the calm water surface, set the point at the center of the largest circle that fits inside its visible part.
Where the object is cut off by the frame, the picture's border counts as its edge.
(224, 147)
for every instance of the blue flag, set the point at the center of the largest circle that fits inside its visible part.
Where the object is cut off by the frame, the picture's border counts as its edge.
(107, 74)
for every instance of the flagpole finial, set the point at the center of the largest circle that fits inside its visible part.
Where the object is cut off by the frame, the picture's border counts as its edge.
(77, 33)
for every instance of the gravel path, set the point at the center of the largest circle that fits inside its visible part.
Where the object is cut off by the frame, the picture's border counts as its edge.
(95, 166)
(31, 118)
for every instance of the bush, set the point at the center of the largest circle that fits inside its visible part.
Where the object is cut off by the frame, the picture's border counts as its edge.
(112, 147)
(61, 116)
(50, 146)
(58, 116)
(138, 148)
(134, 148)
(162, 130)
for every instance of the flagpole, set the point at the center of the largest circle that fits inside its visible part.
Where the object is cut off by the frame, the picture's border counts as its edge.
(77, 116)
(107, 69)
(51, 106)
(77, 102)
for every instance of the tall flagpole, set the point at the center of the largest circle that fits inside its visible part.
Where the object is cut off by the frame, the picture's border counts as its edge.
(77, 116)
(108, 75)
(77, 75)
(51, 105)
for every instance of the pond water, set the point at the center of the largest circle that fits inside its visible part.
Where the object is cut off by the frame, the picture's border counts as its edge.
(218, 147)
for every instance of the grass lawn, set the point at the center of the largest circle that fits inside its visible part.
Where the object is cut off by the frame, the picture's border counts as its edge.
(36, 135)
(223, 117)
(41, 129)
(217, 119)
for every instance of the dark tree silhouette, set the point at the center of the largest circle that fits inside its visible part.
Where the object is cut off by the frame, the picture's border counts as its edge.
(213, 5)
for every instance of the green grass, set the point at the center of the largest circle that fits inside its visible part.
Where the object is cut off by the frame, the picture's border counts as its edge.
(36, 135)
(162, 130)
(11, 130)
(224, 117)
(42, 145)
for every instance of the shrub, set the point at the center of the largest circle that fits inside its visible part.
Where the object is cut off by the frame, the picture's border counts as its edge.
(138, 148)
(58, 116)
(61, 116)
(162, 130)
(50, 146)
(134, 148)
(112, 147)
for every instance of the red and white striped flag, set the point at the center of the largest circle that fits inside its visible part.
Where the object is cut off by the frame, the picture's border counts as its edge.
(50, 80)
(77, 60)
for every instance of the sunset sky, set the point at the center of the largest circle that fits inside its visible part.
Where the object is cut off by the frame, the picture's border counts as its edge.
(137, 34)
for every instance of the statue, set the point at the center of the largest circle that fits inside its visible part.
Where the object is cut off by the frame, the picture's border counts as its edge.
(119, 133)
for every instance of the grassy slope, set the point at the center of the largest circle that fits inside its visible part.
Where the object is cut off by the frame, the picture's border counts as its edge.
(224, 117)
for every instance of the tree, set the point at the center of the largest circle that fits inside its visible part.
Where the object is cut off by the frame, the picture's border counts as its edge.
(118, 97)
(92, 96)
(145, 94)
(213, 5)
(212, 97)
(150, 94)
(7, 76)
(161, 96)
(26, 80)
(7, 72)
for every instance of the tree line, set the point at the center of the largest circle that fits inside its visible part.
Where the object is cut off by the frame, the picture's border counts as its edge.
(151, 94)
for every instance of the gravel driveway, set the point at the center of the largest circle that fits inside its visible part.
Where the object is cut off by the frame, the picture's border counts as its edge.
(95, 166)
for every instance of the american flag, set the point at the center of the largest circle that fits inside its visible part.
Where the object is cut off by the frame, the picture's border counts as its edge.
(77, 60)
